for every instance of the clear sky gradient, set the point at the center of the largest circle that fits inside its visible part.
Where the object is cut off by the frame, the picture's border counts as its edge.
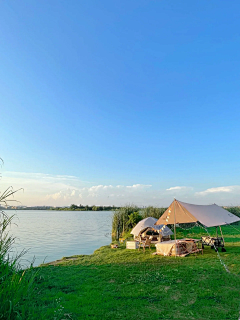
(111, 102)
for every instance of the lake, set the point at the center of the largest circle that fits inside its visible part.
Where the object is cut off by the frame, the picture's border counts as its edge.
(51, 235)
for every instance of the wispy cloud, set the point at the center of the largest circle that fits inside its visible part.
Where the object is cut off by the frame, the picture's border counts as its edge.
(41, 176)
(37, 185)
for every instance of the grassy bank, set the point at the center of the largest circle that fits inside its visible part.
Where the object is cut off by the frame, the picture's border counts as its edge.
(127, 284)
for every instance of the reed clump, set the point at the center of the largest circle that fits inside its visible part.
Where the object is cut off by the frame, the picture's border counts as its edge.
(16, 285)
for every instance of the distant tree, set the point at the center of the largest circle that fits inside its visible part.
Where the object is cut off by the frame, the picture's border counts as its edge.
(73, 207)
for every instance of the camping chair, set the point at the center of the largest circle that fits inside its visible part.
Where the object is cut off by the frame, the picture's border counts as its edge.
(144, 244)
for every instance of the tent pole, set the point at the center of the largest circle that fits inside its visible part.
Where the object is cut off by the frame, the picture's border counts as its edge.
(222, 235)
(175, 230)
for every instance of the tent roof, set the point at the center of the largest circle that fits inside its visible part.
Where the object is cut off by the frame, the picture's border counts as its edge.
(208, 215)
(149, 223)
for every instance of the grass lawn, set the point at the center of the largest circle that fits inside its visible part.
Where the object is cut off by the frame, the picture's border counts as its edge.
(127, 284)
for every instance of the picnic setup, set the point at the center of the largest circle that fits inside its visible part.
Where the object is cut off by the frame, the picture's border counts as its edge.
(151, 231)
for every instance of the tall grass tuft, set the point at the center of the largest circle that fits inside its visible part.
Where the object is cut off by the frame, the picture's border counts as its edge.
(16, 285)
(121, 220)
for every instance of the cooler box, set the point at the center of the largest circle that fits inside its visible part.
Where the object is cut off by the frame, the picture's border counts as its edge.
(131, 245)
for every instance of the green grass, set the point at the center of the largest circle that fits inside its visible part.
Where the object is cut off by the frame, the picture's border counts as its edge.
(127, 284)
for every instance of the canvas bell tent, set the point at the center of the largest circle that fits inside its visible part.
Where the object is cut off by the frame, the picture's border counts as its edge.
(149, 223)
(208, 215)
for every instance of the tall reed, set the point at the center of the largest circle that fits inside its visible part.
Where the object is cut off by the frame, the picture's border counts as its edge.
(120, 220)
(16, 285)
(152, 212)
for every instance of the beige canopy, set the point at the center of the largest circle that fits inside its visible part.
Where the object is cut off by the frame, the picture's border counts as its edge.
(208, 215)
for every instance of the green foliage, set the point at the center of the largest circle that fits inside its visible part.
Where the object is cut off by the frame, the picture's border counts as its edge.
(16, 285)
(234, 210)
(74, 207)
(120, 220)
(152, 212)
(133, 219)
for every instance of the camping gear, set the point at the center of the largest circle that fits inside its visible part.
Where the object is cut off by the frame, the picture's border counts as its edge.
(132, 244)
(147, 224)
(144, 244)
(208, 215)
(179, 248)
(214, 242)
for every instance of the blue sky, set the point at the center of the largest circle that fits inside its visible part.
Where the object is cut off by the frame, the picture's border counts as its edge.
(111, 102)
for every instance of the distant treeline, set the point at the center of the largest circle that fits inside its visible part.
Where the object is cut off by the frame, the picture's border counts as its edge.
(26, 208)
(74, 207)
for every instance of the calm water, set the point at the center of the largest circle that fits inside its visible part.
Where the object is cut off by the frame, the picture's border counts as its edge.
(51, 235)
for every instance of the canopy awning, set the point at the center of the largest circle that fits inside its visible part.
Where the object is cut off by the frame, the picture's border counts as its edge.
(208, 215)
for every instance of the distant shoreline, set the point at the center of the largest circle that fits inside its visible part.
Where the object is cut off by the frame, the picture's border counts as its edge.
(72, 208)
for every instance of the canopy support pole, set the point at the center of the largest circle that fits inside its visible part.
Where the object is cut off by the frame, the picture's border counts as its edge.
(175, 230)
(222, 235)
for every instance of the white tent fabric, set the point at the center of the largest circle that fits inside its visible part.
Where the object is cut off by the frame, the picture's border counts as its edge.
(210, 215)
(150, 223)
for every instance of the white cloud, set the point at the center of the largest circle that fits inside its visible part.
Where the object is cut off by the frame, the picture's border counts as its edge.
(63, 190)
(176, 188)
(227, 189)
(102, 194)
